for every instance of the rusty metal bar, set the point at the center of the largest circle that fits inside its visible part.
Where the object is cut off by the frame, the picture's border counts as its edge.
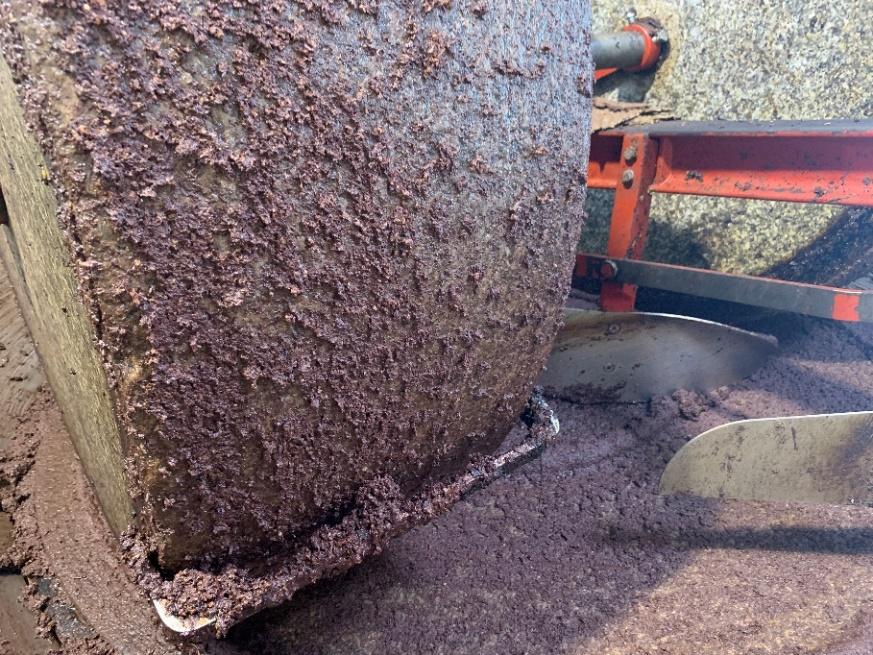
(849, 305)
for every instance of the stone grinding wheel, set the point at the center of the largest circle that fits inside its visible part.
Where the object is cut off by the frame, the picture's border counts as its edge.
(320, 242)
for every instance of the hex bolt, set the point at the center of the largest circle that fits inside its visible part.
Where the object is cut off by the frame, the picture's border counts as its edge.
(630, 154)
(627, 178)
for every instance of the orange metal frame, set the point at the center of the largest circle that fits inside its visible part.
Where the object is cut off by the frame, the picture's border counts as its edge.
(820, 162)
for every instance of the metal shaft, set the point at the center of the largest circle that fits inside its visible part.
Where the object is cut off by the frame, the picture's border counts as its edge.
(618, 49)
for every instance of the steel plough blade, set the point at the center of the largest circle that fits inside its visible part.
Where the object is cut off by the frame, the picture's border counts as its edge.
(602, 357)
(826, 458)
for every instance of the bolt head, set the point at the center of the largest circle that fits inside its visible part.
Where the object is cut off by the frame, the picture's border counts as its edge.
(608, 269)
(627, 178)
(630, 154)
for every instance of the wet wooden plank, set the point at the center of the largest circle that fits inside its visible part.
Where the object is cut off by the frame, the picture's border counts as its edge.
(38, 262)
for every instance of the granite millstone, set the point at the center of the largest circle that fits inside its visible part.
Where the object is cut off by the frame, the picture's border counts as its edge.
(321, 243)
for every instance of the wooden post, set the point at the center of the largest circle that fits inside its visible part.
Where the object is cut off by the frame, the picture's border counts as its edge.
(38, 262)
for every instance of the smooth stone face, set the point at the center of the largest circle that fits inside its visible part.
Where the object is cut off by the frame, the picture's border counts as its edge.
(322, 244)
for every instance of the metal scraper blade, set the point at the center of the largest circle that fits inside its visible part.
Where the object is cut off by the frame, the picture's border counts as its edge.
(826, 458)
(182, 625)
(631, 357)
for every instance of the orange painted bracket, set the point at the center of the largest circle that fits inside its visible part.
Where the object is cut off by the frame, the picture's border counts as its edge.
(818, 162)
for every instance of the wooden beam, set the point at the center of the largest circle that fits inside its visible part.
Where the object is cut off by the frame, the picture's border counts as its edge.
(40, 268)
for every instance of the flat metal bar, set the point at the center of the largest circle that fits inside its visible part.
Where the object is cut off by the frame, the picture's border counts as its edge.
(818, 162)
(849, 305)
(859, 127)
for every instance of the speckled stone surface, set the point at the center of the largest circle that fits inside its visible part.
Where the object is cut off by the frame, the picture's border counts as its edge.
(744, 59)
(204, 139)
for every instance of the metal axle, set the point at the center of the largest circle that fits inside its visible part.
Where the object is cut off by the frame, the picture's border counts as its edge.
(638, 47)
(618, 49)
